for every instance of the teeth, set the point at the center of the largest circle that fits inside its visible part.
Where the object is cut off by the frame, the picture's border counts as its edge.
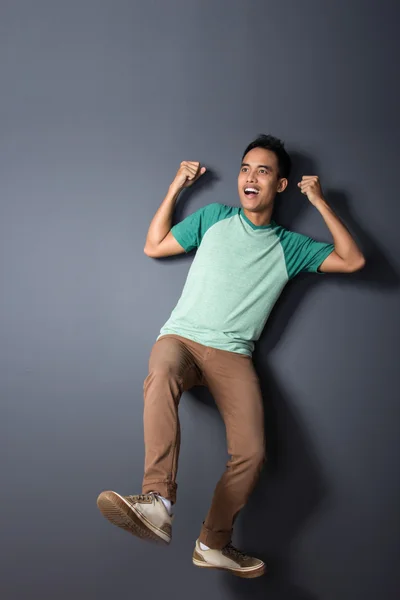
(251, 190)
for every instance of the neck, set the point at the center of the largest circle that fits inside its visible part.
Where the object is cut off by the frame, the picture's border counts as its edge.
(259, 218)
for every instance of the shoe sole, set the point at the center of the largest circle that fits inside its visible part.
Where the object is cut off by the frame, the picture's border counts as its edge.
(248, 573)
(114, 508)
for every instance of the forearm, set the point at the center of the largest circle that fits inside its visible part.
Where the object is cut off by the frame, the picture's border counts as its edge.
(161, 223)
(345, 246)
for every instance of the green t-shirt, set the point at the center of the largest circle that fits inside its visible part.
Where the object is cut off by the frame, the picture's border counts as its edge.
(236, 276)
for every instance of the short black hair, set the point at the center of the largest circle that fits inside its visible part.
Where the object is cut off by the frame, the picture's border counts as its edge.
(269, 142)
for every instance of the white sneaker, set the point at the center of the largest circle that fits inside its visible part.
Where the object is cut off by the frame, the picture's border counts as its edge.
(229, 559)
(143, 515)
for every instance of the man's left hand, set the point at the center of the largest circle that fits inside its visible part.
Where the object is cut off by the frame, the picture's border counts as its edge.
(311, 187)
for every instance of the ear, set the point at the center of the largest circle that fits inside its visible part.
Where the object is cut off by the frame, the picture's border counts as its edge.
(282, 185)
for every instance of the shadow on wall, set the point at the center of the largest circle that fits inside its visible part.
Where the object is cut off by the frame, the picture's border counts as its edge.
(293, 485)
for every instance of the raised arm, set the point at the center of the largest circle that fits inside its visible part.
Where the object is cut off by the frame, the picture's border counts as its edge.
(159, 240)
(347, 256)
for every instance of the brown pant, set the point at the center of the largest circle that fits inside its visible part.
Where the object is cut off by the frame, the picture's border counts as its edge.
(176, 364)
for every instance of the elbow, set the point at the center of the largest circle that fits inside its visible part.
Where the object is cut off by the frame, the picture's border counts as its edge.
(149, 251)
(357, 266)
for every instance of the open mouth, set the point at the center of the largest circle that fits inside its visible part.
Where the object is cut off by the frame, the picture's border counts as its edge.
(251, 192)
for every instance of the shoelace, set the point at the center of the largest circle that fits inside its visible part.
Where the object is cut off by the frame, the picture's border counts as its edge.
(235, 552)
(141, 497)
(145, 497)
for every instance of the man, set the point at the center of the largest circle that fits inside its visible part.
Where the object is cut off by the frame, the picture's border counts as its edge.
(243, 262)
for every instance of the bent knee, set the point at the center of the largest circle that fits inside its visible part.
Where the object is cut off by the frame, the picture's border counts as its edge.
(161, 376)
(254, 457)
(164, 371)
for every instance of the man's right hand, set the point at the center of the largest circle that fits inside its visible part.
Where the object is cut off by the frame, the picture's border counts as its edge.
(188, 172)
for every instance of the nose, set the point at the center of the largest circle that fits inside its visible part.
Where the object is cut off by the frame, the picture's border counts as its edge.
(251, 176)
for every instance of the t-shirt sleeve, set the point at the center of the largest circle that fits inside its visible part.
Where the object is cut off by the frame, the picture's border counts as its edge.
(303, 253)
(189, 232)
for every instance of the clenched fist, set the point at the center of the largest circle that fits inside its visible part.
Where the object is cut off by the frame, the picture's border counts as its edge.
(310, 185)
(188, 172)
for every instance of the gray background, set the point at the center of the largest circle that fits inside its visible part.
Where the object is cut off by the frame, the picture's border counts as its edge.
(100, 101)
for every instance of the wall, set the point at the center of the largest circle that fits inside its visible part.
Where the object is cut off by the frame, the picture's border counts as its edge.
(100, 101)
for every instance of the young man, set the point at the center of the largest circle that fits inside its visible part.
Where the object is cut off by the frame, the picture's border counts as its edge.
(244, 260)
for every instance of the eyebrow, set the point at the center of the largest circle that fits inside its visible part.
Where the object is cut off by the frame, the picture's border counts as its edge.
(268, 167)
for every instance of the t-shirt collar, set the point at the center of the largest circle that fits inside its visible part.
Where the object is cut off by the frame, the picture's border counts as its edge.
(242, 214)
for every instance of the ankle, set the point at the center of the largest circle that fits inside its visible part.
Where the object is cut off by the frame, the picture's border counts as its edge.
(167, 503)
(203, 546)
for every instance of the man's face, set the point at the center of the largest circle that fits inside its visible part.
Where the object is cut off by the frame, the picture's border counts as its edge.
(259, 171)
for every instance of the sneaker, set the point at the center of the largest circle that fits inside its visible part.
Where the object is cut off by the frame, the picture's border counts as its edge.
(143, 515)
(228, 559)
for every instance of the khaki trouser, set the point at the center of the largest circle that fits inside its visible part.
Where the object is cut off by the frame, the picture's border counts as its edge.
(176, 364)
